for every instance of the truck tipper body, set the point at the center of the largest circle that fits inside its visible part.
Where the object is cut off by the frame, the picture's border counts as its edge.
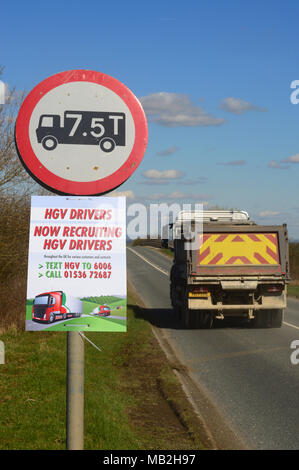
(238, 269)
(51, 306)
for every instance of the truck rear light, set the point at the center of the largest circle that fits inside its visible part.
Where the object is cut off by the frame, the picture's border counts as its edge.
(200, 289)
(199, 292)
(274, 288)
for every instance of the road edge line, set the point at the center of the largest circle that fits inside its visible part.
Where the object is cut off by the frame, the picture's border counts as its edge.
(148, 262)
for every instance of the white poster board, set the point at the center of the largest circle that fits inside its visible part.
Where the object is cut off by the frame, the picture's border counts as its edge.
(77, 264)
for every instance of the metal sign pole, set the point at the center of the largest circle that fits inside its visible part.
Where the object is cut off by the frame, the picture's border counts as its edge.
(75, 391)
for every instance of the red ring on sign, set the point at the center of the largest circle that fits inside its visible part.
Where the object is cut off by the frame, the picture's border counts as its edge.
(62, 185)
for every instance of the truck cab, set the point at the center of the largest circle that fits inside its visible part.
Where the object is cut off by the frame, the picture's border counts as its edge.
(47, 307)
(56, 305)
(104, 310)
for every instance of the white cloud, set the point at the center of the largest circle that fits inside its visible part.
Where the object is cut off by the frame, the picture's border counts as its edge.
(163, 175)
(128, 194)
(238, 106)
(179, 196)
(166, 152)
(152, 182)
(292, 159)
(276, 164)
(232, 163)
(174, 110)
(268, 214)
(193, 181)
(155, 177)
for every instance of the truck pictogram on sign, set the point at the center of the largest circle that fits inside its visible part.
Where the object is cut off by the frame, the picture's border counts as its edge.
(106, 129)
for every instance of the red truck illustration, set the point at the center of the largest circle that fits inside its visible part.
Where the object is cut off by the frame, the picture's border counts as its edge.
(102, 311)
(51, 306)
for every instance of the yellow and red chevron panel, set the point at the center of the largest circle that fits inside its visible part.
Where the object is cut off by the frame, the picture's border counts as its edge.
(238, 249)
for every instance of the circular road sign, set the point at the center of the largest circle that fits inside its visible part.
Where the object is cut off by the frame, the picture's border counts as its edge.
(81, 132)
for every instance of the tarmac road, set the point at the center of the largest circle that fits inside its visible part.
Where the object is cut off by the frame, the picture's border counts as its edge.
(246, 373)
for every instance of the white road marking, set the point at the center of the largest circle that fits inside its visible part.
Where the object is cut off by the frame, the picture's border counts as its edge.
(290, 324)
(147, 261)
(166, 273)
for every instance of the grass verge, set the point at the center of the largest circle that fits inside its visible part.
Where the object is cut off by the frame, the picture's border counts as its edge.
(293, 289)
(132, 398)
(167, 251)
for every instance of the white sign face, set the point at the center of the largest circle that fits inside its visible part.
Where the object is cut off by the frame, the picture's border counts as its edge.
(69, 124)
(77, 264)
(81, 132)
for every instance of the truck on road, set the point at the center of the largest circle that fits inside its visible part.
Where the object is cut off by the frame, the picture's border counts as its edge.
(51, 306)
(238, 269)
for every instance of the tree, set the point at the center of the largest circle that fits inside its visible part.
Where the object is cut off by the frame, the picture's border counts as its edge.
(15, 187)
(13, 177)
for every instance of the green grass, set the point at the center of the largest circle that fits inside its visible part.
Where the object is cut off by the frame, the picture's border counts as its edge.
(103, 299)
(167, 251)
(32, 391)
(124, 408)
(293, 291)
(92, 324)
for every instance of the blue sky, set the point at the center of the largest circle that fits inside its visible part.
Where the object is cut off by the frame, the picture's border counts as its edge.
(213, 77)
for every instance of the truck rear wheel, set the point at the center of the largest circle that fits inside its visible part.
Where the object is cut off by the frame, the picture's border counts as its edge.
(177, 309)
(192, 319)
(277, 318)
(268, 319)
(261, 319)
(205, 319)
(177, 312)
(187, 320)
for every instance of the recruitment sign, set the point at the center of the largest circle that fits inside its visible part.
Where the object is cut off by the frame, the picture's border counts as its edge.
(77, 264)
